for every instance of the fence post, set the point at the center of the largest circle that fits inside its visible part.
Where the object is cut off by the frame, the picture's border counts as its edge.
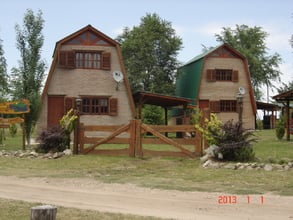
(81, 137)
(206, 115)
(198, 144)
(132, 132)
(76, 134)
(44, 212)
(138, 141)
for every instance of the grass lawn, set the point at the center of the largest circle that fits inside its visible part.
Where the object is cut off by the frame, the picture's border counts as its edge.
(164, 173)
(269, 148)
(18, 210)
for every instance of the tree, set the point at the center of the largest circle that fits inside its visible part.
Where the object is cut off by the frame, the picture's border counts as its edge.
(3, 73)
(149, 52)
(28, 77)
(285, 87)
(250, 41)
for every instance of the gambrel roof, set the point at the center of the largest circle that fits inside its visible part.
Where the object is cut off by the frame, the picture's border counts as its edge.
(188, 82)
(88, 36)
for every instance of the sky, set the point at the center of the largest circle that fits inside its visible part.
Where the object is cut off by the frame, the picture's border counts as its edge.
(196, 22)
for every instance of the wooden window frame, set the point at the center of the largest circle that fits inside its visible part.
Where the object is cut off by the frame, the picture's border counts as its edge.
(228, 106)
(222, 75)
(99, 105)
(223, 106)
(85, 60)
(88, 59)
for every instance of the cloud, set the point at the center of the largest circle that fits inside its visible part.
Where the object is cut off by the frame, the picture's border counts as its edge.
(278, 37)
(286, 69)
(211, 29)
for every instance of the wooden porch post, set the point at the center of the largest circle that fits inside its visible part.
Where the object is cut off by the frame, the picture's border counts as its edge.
(140, 109)
(184, 114)
(166, 119)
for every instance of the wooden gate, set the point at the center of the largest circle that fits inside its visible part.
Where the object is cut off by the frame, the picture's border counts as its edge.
(115, 134)
(137, 137)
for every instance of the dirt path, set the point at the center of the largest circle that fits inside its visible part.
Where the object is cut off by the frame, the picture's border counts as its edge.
(127, 198)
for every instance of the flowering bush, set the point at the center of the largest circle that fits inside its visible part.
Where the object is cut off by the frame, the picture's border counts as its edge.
(208, 127)
(67, 123)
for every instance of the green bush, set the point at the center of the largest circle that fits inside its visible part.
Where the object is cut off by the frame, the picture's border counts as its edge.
(13, 130)
(244, 154)
(153, 115)
(234, 142)
(280, 128)
(259, 124)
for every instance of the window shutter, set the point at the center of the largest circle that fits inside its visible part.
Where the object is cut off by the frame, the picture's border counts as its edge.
(62, 59)
(113, 106)
(235, 76)
(211, 75)
(71, 59)
(67, 59)
(106, 61)
(215, 106)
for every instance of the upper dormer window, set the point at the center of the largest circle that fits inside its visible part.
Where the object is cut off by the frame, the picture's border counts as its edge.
(88, 60)
(222, 75)
(85, 59)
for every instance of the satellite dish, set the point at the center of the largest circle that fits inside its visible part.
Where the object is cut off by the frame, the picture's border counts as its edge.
(242, 90)
(118, 76)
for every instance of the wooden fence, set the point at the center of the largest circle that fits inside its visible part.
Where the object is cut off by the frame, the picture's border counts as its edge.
(182, 140)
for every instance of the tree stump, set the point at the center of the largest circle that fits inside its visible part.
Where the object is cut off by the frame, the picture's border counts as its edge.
(44, 212)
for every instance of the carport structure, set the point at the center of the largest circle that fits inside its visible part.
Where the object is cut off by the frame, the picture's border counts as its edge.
(165, 101)
(285, 98)
(269, 112)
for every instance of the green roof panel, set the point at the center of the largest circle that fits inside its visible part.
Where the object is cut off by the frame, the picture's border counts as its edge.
(188, 81)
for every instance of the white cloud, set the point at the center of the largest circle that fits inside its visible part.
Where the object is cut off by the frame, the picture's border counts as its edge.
(278, 36)
(211, 29)
(287, 71)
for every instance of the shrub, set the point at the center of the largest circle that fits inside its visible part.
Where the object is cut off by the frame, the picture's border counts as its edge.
(259, 124)
(152, 115)
(13, 130)
(234, 142)
(280, 128)
(68, 123)
(209, 127)
(57, 138)
(52, 140)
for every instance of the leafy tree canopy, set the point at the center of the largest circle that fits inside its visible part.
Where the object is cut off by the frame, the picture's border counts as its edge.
(149, 52)
(28, 77)
(3, 73)
(250, 41)
(285, 87)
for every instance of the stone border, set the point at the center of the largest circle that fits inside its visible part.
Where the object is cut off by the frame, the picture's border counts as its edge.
(248, 166)
(34, 155)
